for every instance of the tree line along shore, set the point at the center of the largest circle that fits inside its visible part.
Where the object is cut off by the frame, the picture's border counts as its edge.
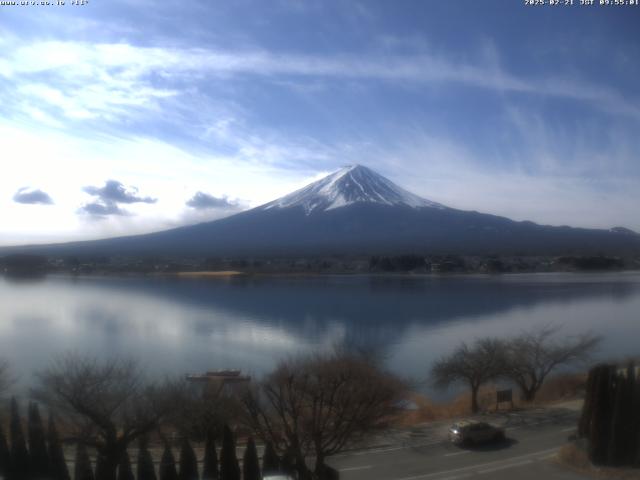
(28, 264)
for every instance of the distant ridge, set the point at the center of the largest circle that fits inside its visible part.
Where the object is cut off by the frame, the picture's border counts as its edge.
(355, 211)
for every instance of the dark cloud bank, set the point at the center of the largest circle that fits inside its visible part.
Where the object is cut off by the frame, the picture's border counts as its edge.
(202, 201)
(109, 196)
(115, 192)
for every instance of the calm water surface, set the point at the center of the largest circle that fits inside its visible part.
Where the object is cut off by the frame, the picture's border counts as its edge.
(179, 326)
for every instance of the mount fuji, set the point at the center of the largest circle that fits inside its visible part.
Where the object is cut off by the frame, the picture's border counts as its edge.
(347, 186)
(357, 211)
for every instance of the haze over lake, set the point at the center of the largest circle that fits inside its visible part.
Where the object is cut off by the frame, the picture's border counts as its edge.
(179, 326)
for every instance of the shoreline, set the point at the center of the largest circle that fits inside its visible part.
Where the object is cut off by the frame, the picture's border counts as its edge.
(228, 274)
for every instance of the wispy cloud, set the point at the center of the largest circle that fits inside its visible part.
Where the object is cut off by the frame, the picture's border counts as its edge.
(104, 79)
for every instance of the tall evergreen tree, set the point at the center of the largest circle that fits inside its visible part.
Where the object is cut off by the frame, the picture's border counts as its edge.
(145, 470)
(611, 416)
(19, 469)
(229, 468)
(83, 470)
(601, 416)
(632, 417)
(270, 460)
(5, 455)
(623, 436)
(288, 463)
(250, 462)
(167, 469)
(635, 422)
(210, 468)
(57, 463)
(101, 470)
(586, 416)
(38, 455)
(124, 468)
(616, 446)
(188, 462)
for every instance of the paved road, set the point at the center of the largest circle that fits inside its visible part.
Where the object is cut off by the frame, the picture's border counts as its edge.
(532, 441)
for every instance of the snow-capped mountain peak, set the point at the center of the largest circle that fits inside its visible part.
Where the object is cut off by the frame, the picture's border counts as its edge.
(349, 185)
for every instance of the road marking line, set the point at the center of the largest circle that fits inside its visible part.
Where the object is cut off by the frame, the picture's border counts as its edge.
(351, 469)
(457, 477)
(473, 467)
(391, 449)
(546, 457)
(568, 429)
(457, 453)
(504, 467)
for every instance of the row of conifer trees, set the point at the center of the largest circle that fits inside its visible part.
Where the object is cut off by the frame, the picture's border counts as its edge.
(610, 419)
(44, 458)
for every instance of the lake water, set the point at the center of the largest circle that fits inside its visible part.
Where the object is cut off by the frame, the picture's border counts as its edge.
(179, 326)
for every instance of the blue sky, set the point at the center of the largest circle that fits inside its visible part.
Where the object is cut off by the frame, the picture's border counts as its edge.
(129, 116)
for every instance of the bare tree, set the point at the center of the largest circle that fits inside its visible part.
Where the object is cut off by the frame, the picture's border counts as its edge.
(532, 355)
(109, 403)
(474, 365)
(317, 405)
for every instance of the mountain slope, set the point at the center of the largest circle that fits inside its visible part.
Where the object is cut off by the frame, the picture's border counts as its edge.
(357, 211)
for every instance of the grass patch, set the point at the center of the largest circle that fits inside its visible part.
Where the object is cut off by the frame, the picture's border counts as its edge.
(559, 388)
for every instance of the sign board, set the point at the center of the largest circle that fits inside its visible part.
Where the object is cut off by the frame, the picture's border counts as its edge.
(504, 396)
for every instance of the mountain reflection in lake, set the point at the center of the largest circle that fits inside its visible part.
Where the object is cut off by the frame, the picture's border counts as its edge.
(177, 326)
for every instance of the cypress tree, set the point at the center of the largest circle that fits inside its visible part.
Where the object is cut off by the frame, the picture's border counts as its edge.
(601, 417)
(167, 469)
(626, 432)
(229, 468)
(124, 468)
(210, 468)
(288, 463)
(616, 447)
(270, 460)
(635, 448)
(188, 462)
(584, 424)
(250, 462)
(57, 464)
(630, 426)
(101, 467)
(38, 455)
(19, 469)
(145, 469)
(83, 469)
(5, 455)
